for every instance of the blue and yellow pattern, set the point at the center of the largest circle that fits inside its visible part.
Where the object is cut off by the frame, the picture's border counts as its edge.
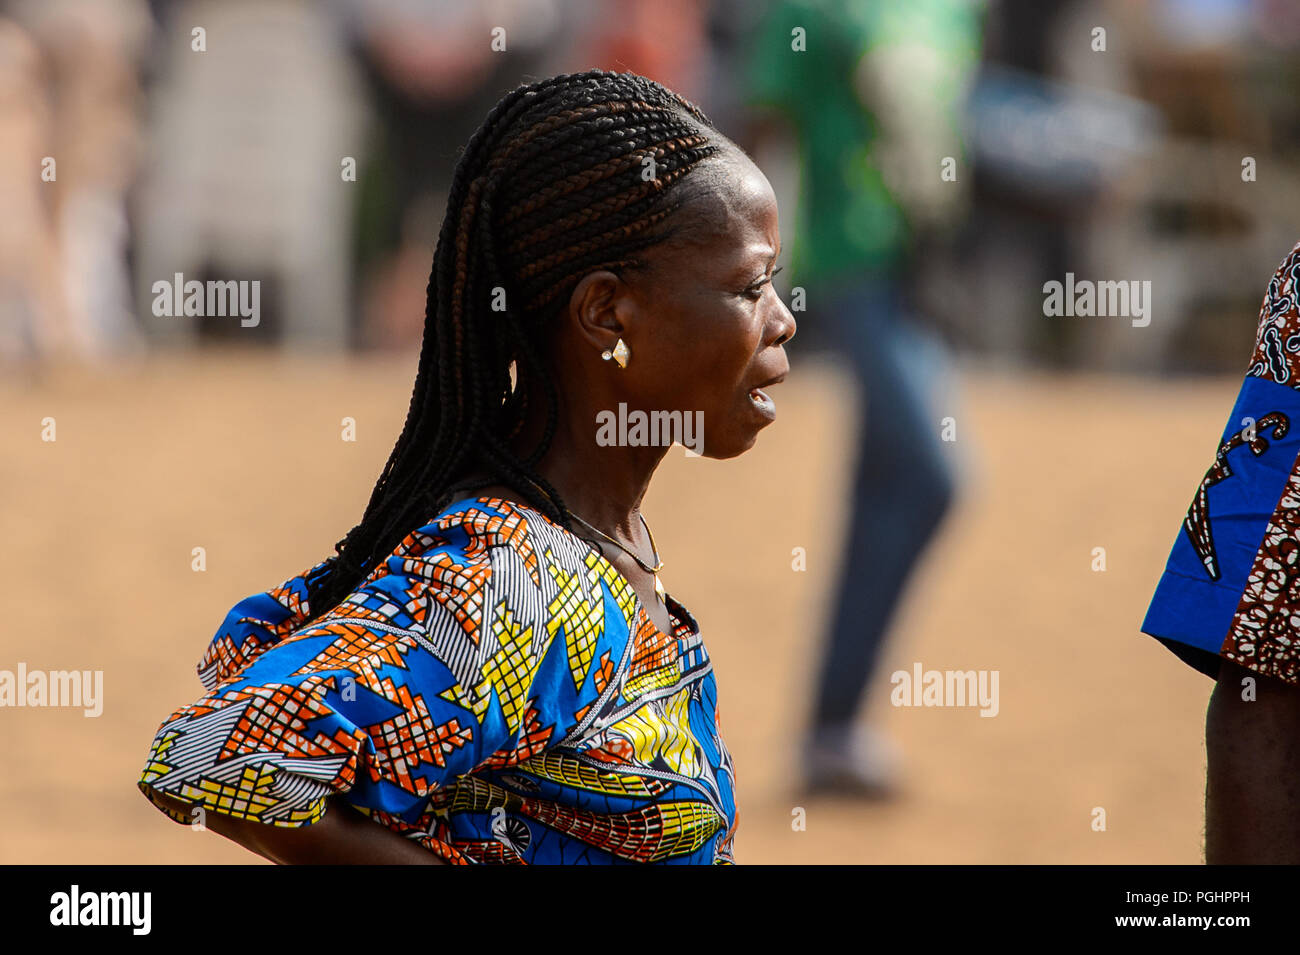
(494, 691)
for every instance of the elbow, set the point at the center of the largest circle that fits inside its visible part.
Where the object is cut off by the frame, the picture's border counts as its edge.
(250, 835)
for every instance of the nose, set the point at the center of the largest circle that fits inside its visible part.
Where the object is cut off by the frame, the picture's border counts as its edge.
(786, 324)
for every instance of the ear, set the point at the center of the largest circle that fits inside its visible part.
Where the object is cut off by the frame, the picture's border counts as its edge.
(599, 309)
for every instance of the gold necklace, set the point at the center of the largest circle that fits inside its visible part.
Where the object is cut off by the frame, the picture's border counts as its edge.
(653, 571)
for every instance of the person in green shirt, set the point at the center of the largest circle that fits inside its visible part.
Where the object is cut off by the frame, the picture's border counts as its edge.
(870, 94)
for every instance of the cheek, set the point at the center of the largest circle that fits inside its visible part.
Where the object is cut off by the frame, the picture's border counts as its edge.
(736, 347)
(705, 358)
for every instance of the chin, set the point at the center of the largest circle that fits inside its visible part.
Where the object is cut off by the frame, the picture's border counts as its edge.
(731, 448)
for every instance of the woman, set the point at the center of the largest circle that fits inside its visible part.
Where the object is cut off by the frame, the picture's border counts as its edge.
(499, 677)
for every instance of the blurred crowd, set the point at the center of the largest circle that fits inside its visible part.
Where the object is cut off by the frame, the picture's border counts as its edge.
(308, 144)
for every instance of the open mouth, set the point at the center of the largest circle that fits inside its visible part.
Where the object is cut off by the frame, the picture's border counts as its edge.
(762, 400)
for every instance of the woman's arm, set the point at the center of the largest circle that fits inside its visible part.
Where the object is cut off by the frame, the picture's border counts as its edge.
(341, 837)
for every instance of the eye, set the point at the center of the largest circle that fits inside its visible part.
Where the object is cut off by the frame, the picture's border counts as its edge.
(755, 292)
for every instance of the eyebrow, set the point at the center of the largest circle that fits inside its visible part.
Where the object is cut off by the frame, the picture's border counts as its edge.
(772, 258)
(776, 252)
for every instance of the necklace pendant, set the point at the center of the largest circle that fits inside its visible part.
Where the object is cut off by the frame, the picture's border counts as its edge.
(659, 589)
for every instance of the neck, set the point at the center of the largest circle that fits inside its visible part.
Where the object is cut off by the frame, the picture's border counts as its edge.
(602, 485)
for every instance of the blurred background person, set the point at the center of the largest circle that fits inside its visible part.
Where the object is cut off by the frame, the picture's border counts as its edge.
(432, 69)
(70, 144)
(32, 315)
(874, 103)
(254, 110)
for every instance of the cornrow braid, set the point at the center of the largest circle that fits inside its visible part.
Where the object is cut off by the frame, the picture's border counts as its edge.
(565, 176)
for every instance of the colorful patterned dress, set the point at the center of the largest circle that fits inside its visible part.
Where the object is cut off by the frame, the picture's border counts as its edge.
(494, 691)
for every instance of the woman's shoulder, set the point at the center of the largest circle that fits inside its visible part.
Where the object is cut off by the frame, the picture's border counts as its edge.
(490, 534)
(513, 556)
(473, 554)
(446, 579)
(526, 553)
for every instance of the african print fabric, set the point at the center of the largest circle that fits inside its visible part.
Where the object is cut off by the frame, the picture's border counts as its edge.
(1231, 586)
(494, 690)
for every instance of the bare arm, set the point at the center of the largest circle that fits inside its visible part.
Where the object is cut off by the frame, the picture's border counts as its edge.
(341, 837)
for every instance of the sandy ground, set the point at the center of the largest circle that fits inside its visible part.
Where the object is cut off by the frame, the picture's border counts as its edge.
(241, 453)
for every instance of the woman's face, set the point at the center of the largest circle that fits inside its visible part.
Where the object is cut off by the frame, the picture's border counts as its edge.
(704, 324)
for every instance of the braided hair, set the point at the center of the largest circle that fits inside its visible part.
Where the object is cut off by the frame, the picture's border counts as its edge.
(566, 176)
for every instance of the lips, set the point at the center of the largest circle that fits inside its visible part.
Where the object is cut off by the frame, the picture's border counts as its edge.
(760, 398)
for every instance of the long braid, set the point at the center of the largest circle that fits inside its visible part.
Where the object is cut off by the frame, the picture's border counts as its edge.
(549, 188)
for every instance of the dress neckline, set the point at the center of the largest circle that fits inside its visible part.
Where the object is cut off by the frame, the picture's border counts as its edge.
(684, 623)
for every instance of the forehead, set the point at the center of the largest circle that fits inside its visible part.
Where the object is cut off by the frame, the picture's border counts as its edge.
(731, 216)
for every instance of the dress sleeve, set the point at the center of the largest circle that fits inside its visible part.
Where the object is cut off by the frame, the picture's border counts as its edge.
(253, 625)
(409, 683)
